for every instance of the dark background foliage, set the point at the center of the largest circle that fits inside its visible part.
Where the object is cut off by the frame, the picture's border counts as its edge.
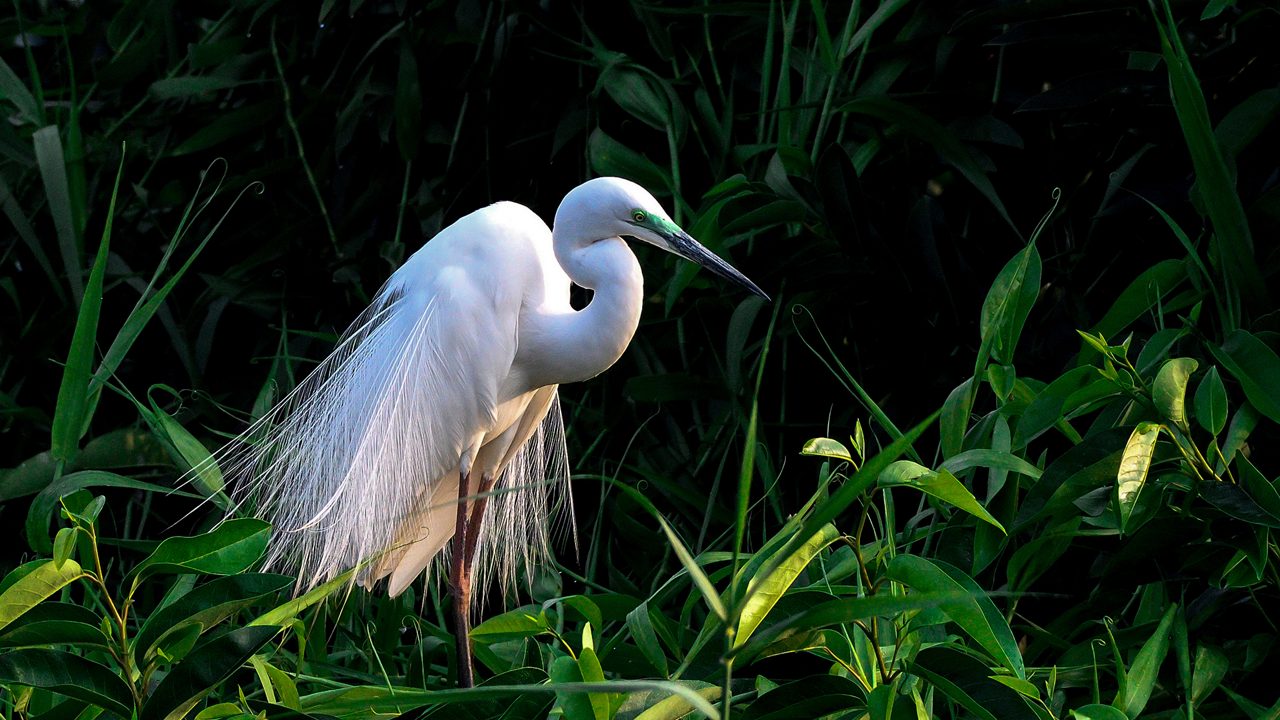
(876, 194)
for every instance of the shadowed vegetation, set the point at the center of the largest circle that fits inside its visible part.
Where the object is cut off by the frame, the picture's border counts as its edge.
(1004, 444)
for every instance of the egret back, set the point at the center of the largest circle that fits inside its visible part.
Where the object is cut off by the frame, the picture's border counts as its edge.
(361, 445)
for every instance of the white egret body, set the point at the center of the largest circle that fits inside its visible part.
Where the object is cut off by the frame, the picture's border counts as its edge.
(451, 374)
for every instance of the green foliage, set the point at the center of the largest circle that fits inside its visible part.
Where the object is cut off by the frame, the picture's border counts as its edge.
(1078, 520)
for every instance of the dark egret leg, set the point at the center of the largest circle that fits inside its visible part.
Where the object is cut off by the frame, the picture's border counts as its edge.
(466, 540)
(460, 579)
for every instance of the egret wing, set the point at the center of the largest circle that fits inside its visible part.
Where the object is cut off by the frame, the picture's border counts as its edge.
(355, 449)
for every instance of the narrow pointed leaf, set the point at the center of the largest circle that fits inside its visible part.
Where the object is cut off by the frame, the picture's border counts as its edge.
(1144, 671)
(700, 579)
(765, 592)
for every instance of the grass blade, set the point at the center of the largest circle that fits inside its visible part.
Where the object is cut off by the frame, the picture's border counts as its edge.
(69, 416)
(1214, 179)
(53, 172)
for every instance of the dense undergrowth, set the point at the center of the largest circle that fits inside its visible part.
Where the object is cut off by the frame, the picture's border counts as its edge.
(1004, 445)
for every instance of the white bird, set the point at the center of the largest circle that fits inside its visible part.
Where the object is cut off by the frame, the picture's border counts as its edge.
(440, 399)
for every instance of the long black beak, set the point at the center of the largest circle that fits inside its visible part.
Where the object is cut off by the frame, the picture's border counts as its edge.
(689, 249)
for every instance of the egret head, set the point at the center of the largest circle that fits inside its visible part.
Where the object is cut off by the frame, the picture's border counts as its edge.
(613, 207)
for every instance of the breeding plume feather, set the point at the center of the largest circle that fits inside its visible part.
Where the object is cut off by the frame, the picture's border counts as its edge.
(436, 417)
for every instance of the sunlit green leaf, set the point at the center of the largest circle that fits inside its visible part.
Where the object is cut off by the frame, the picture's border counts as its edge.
(1135, 465)
(228, 549)
(1170, 389)
(765, 592)
(34, 587)
(941, 484)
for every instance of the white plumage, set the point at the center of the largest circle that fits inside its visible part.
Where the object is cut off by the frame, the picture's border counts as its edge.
(442, 396)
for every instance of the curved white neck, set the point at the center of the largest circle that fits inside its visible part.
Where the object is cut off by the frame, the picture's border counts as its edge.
(573, 346)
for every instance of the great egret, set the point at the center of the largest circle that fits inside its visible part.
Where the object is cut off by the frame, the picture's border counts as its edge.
(449, 376)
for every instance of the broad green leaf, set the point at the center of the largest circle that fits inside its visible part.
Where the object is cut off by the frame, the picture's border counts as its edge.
(809, 697)
(1261, 490)
(192, 456)
(1241, 427)
(227, 549)
(989, 458)
(1256, 367)
(969, 682)
(1097, 712)
(1135, 301)
(566, 671)
(1145, 670)
(658, 705)
(1246, 121)
(1088, 466)
(639, 93)
(942, 485)
(205, 607)
(1211, 402)
(586, 607)
(522, 622)
(221, 711)
(1135, 464)
(202, 670)
(764, 593)
(67, 674)
(1211, 666)
(828, 448)
(1049, 405)
(286, 689)
(602, 704)
(974, 612)
(1170, 390)
(610, 157)
(63, 545)
(34, 587)
(55, 623)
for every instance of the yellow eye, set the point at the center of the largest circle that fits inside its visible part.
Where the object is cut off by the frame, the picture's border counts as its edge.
(638, 216)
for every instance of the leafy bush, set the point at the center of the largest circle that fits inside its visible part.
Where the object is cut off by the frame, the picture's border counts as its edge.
(1078, 521)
